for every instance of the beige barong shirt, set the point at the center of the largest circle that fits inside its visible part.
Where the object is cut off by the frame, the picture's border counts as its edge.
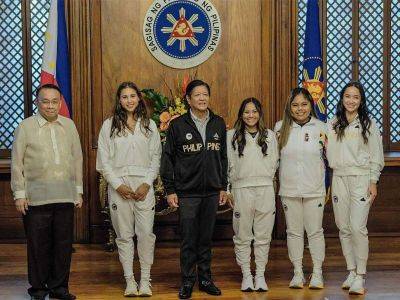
(46, 164)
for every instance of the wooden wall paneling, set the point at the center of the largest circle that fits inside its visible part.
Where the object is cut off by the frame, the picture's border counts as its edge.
(79, 47)
(97, 230)
(286, 69)
(285, 74)
(243, 54)
(11, 225)
(268, 54)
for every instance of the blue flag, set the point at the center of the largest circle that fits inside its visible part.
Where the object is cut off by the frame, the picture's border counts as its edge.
(313, 79)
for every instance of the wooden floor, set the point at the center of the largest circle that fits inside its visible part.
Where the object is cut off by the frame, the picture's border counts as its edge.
(97, 275)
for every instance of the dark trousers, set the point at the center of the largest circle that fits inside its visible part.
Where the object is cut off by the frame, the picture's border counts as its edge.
(49, 232)
(196, 219)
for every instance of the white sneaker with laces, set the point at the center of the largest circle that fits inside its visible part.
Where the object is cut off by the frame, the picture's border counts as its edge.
(131, 289)
(358, 286)
(145, 288)
(316, 282)
(349, 280)
(261, 285)
(297, 281)
(247, 284)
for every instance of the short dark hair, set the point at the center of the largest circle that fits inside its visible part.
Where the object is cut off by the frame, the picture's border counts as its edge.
(47, 86)
(196, 83)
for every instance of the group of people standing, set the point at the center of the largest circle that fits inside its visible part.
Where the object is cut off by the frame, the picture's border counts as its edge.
(301, 147)
(203, 166)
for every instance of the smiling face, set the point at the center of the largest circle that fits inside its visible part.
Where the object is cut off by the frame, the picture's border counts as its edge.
(351, 99)
(199, 99)
(250, 116)
(49, 103)
(300, 109)
(129, 100)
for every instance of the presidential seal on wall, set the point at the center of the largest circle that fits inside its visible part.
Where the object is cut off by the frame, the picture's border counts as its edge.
(182, 33)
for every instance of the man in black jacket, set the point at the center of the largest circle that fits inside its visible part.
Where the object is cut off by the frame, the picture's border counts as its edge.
(194, 172)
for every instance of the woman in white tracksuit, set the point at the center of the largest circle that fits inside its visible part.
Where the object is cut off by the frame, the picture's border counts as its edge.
(302, 183)
(355, 154)
(253, 157)
(128, 157)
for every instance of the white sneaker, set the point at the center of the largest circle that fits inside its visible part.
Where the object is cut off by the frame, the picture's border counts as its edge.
(261, 285)
(145, 288)
(349, 280)
(316, 282)
(297, 281)
(358, 286)
(131, 288)
(247, 284)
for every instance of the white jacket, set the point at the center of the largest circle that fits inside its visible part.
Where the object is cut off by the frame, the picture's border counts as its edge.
(253, 168)
(352, 156)
(131, 154)
(301, 167)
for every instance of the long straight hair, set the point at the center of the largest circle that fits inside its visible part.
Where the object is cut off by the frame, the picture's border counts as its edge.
(288, 119)
(363, 115)
(239, 137)
(120, 117)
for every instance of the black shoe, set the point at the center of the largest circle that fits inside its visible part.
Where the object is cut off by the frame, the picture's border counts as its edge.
(185, 292)
(62, 296)
(37, 294)
(209, 287)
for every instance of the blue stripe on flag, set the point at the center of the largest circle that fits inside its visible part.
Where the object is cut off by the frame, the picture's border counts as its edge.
(63, 71)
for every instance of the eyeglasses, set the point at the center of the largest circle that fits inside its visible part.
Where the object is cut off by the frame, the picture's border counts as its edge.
(48, 102)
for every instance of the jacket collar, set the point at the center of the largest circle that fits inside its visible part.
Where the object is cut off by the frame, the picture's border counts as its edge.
(188, 118)
(312, 122)
(194, 118)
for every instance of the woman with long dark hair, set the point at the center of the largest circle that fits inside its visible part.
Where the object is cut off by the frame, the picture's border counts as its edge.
(128, 157)
(302, 183)
(355, 154)
(253, 160)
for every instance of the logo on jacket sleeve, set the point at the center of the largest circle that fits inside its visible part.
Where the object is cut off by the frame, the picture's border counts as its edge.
(216, 136)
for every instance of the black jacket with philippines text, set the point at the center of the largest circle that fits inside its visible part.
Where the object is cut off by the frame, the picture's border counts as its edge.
(189, 167)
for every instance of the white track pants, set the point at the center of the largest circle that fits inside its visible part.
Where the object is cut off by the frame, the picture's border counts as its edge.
(351, 205)
(300, 214)
(253, 219)
(130, 218)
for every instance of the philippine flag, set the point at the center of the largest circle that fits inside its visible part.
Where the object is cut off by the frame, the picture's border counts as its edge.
(55, 66)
